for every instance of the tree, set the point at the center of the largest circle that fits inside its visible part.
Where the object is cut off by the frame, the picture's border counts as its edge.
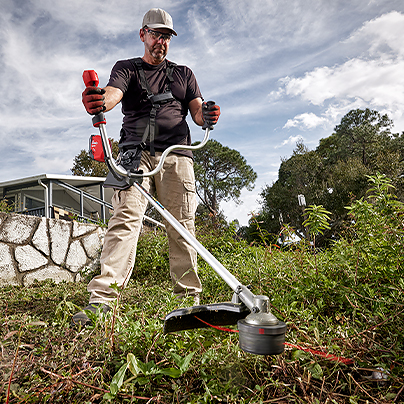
(84, 165)
(361, 145)
(221, 173)
(300, 174)
(336, 172)
(361, 133)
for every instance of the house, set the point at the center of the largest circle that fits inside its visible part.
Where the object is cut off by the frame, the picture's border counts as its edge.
(59, 196)
(62, 197)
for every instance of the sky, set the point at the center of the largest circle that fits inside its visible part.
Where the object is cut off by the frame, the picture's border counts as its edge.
(281, 71)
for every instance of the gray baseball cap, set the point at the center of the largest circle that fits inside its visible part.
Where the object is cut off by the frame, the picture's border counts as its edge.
(158, 18)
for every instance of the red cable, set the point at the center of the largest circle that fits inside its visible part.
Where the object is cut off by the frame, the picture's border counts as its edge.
(216, 327)
(325, 355)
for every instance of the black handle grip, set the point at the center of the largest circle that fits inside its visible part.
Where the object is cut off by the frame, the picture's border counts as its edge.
(205, 106)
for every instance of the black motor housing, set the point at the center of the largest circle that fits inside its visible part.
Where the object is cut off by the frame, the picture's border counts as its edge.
(262, 339)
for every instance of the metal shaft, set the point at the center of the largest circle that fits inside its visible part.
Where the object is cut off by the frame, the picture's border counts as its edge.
(246, 296)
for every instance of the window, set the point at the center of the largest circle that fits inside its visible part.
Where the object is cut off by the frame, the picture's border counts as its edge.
(32, 203)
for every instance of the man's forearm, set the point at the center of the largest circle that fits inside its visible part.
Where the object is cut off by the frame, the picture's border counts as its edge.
(112, 96)
(195, 108)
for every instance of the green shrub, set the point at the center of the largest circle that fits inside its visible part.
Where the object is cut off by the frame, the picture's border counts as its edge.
(5, 206)
(345, 301)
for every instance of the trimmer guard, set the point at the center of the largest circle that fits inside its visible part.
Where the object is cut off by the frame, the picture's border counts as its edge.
(218, 314)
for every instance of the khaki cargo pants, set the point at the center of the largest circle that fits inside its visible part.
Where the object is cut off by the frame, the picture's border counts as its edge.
(175, 189)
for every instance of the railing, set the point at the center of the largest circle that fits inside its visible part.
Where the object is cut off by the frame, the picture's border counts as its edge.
(84, 195)
(39, 212)
(68, 213)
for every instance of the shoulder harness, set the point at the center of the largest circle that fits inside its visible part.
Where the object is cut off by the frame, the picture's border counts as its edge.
(156, 99)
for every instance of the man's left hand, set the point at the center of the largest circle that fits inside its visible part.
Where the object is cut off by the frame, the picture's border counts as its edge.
(210, 114)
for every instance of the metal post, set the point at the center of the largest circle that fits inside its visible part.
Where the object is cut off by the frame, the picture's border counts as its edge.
(103, 212)
(46, 197)
(50, 189)
(81, 204)
(302, 202)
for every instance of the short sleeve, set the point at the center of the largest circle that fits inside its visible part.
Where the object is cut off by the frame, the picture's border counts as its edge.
(121, 74)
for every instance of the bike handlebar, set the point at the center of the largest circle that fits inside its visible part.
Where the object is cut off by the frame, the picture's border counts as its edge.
(120, 170)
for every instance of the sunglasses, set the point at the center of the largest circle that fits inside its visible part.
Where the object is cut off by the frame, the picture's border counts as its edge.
(158, 35)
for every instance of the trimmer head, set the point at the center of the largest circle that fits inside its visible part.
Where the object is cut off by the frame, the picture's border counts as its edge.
(262, 339)
(218, 314)
(261, 333)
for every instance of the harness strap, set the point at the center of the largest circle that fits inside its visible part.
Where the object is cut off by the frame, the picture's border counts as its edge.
(143, 82)
(169, 73)
(156, 99)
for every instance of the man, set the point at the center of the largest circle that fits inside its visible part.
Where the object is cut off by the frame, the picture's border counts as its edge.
(156, 95)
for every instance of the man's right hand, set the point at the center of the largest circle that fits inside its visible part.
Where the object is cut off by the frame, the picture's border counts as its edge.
(93, 100)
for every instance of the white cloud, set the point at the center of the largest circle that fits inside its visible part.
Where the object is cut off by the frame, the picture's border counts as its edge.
(243, 211)
(291, 140)
(377, 82)
(384, 34)
(306, 121)
(94, 17)
(373, 79)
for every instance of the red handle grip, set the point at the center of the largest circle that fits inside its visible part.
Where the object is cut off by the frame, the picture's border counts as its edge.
(90, 78)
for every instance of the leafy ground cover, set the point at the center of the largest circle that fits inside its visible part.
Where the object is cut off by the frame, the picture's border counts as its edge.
(344, 309)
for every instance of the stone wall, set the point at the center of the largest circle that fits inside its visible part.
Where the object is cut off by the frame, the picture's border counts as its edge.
(39, 248)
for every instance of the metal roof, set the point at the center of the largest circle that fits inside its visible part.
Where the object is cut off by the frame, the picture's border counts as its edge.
(76, 181)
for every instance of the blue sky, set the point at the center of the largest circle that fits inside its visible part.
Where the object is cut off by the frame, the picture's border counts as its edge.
(280, 70)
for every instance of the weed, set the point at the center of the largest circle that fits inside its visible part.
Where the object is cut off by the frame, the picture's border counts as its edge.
(6, 206)
(347, 303)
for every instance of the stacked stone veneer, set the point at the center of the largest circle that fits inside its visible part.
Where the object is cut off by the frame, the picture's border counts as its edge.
(39, 248)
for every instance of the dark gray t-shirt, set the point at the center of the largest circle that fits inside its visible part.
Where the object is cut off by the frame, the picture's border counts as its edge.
(171, 125)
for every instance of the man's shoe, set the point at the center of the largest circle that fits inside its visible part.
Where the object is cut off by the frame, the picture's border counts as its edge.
(81, 317)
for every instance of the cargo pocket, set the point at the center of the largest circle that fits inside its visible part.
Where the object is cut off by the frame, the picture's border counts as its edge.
(189, 201)
(118, 198)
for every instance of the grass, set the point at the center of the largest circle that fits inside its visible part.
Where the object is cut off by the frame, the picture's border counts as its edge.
(347, 303)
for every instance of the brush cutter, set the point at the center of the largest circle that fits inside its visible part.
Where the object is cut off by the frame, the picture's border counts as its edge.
(260, 332)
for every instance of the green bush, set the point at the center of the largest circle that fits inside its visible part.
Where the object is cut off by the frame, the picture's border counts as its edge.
(5, 206)
(152, 257)
(346, 301)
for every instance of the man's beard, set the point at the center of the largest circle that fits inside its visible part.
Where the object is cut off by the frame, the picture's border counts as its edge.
(158, 52)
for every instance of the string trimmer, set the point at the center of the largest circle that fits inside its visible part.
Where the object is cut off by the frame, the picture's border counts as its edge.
(260, 332)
